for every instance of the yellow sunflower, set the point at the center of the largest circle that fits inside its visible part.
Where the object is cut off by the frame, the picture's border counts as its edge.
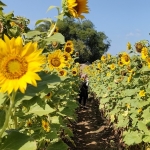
(103, 58)
(125, 59)
(128, 46)
(68, 49)
(67, 56)
(112, 66)
(45, 126)
(69, 43)
(144, 53)
(108, 56)
(77, 7)
(142, 93)
(19, 64)
(56, 60)
(62, 72)
(74, 71)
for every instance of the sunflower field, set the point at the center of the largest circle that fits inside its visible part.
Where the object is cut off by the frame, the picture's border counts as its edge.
(125, 92)
(39, 85)
(39, 82)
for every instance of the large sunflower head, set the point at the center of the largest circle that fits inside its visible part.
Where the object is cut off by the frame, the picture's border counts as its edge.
(19, 64)
(56, 60)
(77, 7)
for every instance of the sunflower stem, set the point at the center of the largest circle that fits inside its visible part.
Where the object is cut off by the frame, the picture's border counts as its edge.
(51, 32)
(8, 113)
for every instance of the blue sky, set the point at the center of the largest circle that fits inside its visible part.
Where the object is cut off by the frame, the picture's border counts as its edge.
(121, 20)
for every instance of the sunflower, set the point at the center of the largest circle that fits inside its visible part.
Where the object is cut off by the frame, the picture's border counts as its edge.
(62, 72)
(108, 56)
(139, 47)
(69, 43)
(112, 66)
(103, 58)
(142, 93)
(74, 71)
(48, 96)
(77, 7)
(54, 44)
(128, 46)
(45, 126)
(125, 59)
(68, 49)
(56, 60)
(19, 64)
(67, 56)
(144, 53)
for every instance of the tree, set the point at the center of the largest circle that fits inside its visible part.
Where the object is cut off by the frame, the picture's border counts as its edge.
(90, 43)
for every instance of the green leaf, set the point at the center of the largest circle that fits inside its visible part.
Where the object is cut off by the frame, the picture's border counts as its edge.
(14, 141)
(132, 138)
(2, 98)
(51, 7)
(36, 109)
(146, 139)
(43, 20)
(143, 127)
(58, 145)
(33, 33)
(29, 146)
(56, 37)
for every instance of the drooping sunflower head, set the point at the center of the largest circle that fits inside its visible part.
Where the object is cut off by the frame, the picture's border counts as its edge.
(56, 60)
(69, 49)
(139, 47)
(19, 64)
(75, 8)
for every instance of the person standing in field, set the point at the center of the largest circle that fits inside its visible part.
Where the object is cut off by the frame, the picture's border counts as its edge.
(84, 91)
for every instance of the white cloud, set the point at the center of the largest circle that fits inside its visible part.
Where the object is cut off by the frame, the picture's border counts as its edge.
(135, 33)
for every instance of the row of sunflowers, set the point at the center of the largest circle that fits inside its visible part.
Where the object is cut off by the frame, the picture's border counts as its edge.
(122, 85)
(39, 80)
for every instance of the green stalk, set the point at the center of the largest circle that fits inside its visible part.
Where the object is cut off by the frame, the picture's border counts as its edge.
(8, 113)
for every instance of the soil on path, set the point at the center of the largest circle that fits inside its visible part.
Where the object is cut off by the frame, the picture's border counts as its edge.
(91, 131)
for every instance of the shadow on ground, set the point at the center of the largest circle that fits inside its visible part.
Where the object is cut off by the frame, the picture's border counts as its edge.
(91, 132)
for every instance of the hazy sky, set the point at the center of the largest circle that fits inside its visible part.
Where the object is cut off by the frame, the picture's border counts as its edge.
(121, 20)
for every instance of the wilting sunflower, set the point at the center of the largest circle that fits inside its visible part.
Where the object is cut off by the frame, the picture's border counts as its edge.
(68, 49)
(74, 71)
(77, 7)
(139, 47)
(56, 60)
(144, 53)
(45, 126)
(19, 64)
(125, 59)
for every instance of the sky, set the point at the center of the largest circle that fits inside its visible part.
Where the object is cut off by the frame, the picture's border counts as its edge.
(122, 21)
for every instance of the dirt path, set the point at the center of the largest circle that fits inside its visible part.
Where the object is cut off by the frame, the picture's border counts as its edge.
(91, 131)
